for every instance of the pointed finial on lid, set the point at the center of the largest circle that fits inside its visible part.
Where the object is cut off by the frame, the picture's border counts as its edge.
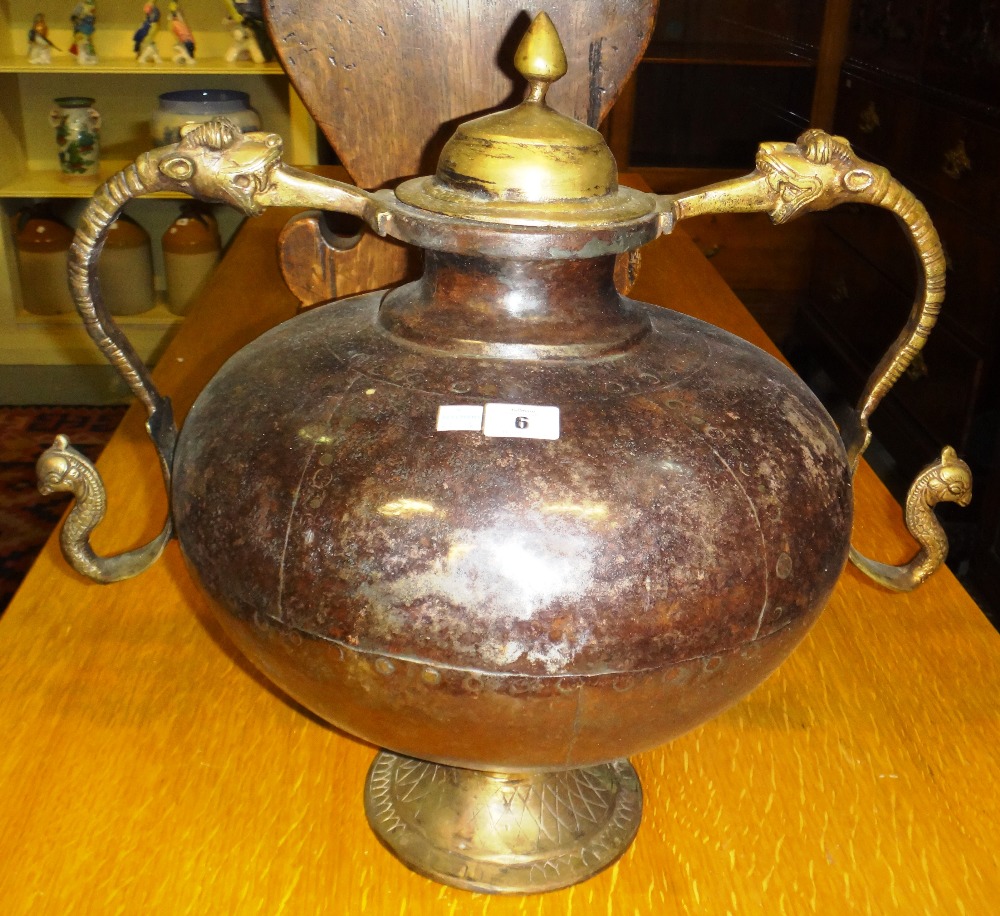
(540, 57)
(528, 165)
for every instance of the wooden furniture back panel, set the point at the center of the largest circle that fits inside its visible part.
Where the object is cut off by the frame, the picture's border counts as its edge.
(388, 81)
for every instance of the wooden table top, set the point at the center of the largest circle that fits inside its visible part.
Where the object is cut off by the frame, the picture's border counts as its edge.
(146, 768)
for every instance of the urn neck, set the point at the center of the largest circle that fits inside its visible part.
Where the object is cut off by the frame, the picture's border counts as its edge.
(514, 309)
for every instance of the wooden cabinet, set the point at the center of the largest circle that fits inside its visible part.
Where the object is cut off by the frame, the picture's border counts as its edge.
(918, 94)
(126, 94)
(719, 77)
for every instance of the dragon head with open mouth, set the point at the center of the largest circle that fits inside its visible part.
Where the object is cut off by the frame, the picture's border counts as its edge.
(814, 172)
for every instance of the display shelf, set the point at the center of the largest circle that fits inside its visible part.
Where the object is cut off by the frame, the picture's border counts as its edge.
(119, 65)
(721, 75)
(34, 183)
(126, 94)
(126, 103)
(737, 54)
(30, 339)
(117, 21)
(59, 339)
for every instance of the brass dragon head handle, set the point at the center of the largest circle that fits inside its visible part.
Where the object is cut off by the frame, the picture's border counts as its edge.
(817, 172)
(217, 162)
(214, 162)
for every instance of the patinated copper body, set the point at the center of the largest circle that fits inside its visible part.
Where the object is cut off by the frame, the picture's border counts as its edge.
(507, 603)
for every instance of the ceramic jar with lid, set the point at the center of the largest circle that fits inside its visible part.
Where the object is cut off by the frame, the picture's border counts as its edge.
(182, 108)
(502, 520)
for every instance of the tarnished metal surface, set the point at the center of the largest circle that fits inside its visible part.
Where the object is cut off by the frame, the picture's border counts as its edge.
(216, 162)
(503, 834)
(444, 233)
(683, 516)
(528, 165)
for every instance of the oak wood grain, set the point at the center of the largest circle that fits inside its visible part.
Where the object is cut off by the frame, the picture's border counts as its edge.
(388, 83)
(145, 768)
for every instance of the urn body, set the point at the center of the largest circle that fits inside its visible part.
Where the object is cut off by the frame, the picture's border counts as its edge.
(505, 602)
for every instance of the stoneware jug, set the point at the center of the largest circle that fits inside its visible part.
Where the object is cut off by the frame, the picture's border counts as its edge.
(502, 521)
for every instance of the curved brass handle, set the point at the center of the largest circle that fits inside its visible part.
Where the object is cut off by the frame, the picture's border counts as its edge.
(215, 162)
(61, 467)
(818, 172)
(946, 480)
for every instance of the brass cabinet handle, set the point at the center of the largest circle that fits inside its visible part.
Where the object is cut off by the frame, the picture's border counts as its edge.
(868, 119)
(956, 161)
(818, 172)
(215, 162)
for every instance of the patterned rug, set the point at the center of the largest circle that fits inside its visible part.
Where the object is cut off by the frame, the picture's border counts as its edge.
(26, 517)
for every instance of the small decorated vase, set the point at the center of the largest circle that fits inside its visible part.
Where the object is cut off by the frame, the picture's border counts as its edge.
(78, 134)
(185, 108)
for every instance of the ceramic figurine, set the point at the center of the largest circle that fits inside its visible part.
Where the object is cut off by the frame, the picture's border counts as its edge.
(39, 46)
(184, 44)
(247, 29)
(84, 19)
(252, 12)
(144, 38)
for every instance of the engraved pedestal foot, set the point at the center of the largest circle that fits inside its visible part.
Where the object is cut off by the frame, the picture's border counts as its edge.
(503, 833)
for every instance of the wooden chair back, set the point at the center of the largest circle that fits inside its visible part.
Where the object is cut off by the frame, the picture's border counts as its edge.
(387, 81)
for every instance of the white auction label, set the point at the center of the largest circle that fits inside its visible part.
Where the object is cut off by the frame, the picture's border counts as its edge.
(521, 421)
(460, 417)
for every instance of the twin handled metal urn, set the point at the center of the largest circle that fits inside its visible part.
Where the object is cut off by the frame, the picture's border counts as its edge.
(503, 521)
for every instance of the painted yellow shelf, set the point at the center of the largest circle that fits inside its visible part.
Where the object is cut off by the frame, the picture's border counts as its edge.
(157, 317)
(61, 339)
(112, 65)
(50, 182)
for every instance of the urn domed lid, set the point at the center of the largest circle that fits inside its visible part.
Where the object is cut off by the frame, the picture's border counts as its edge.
(528, 165)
